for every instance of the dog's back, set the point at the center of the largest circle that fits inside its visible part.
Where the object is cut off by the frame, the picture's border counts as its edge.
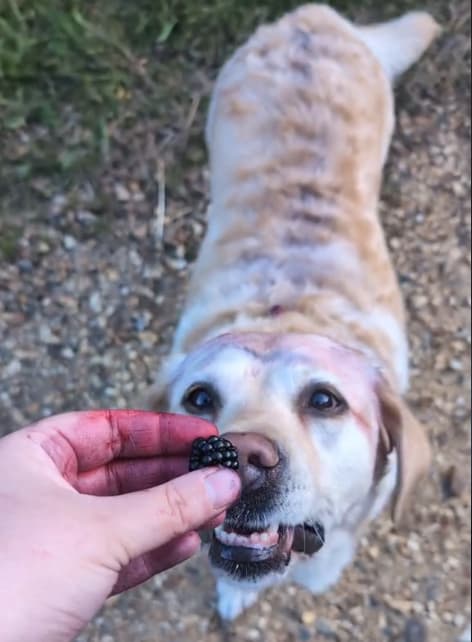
(298, 132)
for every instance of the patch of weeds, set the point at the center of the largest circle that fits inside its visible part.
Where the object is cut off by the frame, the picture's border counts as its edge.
(70, 68)
(9, 240)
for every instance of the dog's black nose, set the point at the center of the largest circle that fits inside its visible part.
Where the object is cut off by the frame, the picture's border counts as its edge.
(258, 456)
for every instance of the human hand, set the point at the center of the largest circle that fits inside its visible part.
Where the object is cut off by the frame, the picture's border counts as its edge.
(82, 516)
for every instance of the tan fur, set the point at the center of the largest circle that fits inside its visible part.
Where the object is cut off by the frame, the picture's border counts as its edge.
(400, 430)
(322, 138)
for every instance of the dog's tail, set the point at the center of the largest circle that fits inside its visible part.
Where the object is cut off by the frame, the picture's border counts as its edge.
(399, 43)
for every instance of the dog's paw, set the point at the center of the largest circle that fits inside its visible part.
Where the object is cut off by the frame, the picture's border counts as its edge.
(233, 600)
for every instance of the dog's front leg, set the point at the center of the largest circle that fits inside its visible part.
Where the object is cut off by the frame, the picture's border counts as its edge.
(233, 598)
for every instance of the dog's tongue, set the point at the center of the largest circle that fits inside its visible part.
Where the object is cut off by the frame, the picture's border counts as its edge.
(307, 540)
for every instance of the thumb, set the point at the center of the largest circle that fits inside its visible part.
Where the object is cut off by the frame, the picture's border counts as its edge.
(145, 520)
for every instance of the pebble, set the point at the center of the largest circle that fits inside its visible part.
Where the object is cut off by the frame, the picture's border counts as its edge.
(308, 617)
(323, 627)
(459, 620)
(47, 336)
(58, 203)
(453, 482)
(85, 217)
(25, 266)
(69, 242)
(121, 193)
(67, 353)
(456, 364)
(95, 302)
(415, 631)
(12, 368)
(400, 605)
(373, 552)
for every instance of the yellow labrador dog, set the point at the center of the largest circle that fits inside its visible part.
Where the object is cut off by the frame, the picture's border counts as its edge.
(293, 337)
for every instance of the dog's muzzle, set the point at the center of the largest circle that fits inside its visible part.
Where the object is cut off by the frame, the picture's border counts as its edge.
(251, 555)
(249, 545)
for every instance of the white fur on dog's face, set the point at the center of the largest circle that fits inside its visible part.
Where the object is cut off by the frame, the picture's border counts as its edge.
(263, 385)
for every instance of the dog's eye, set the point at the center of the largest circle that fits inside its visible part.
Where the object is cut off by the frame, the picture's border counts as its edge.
(200, 399)
(325, 401)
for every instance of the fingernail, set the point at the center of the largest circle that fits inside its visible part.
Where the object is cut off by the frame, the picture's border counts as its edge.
(223, 487)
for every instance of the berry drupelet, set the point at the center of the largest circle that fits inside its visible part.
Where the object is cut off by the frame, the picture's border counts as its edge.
(215, 451)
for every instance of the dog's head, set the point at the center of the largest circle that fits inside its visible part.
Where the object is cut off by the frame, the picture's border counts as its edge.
(323, 441)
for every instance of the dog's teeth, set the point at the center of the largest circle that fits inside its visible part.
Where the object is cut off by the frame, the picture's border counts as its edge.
(254, 540)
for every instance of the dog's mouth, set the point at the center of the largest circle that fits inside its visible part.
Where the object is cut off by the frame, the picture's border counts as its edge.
(251, 554)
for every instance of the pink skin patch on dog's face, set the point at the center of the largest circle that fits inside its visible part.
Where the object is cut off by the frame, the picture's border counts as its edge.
(350, 370)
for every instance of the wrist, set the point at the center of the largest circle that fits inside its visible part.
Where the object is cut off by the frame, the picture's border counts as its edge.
(31, 610)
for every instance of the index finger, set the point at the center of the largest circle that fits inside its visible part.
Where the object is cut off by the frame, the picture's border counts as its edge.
(85, 440)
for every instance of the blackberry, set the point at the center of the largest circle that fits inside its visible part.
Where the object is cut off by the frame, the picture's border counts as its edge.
(214, 451)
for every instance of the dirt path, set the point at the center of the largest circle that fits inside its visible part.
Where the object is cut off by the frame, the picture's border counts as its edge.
(86, 316)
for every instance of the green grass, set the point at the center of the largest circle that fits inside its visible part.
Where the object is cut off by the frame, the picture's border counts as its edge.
(69, 67)
(9, 237)
(90, 53)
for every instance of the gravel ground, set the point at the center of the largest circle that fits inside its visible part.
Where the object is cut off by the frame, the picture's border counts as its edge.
(88, 307)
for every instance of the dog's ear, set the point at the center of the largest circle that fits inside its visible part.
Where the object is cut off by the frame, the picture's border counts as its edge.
(400, 430)
(157, 398)
(153, 398)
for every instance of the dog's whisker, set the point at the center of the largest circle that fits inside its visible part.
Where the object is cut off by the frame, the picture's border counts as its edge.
(319, 533)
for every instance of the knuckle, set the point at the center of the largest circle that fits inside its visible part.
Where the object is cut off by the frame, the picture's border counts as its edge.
(113, 480)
